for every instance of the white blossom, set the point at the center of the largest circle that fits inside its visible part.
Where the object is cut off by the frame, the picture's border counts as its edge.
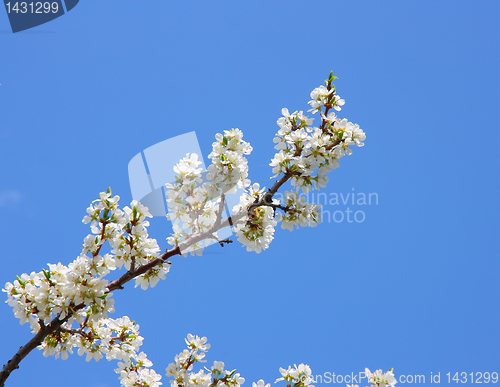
(380, 379)
(299, 213)
(261, 383)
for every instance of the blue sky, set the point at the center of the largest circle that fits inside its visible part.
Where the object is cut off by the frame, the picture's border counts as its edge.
(414, 286)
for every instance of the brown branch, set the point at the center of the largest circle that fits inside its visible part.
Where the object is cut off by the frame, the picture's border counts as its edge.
(44, 331)
(56, 323)
(267, 198)
(118, 283)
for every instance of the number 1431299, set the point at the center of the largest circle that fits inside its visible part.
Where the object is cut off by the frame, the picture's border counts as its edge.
(32, 7)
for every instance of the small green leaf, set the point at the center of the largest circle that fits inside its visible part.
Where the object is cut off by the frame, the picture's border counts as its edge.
(224, 141)
(332, 77)
(109, 190)
(20, 281)
(47, 274)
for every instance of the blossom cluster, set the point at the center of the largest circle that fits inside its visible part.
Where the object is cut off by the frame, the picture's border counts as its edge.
(305, 155)
(78, 297)
(196, 199)
(183, 374)
(298, 212)
(378, 378)
(229, 166)
(135, 371)
(300, 376)
(37, 298)
(126, 233)
(182, 369)
(308, 153)
(256, 229)
(190, 204)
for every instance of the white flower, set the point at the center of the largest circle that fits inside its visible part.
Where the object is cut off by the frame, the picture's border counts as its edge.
(258, 231)
(319, 97)
(280, 162)
(195, 342)
(237, 380)
(261, 383)
(337, 103)
(301, 374)
(218, 366)
(379, 379)
(299, 213)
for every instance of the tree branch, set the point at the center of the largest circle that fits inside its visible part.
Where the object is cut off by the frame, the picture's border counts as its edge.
(44, 331)
(56, 323)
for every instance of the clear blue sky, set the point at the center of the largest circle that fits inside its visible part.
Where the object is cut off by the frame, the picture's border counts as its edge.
(415, 286)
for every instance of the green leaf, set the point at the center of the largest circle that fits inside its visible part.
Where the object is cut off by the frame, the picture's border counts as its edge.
(47, 274)
(20, 281)
(224, 141)
(332, 77)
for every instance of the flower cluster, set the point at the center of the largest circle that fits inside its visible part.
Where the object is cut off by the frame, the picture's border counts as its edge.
(322, 96)
(39, 297)
(308, 153)
(190, 205)
(133, 248)
(300, 376)
(182, 369)
(298, 212)
(380, 379)
(195, 201)
(256, 229)
(115, 339)
(183, 374)
(78, 293)
(135, 372)
(305, 155)
(229, 166)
